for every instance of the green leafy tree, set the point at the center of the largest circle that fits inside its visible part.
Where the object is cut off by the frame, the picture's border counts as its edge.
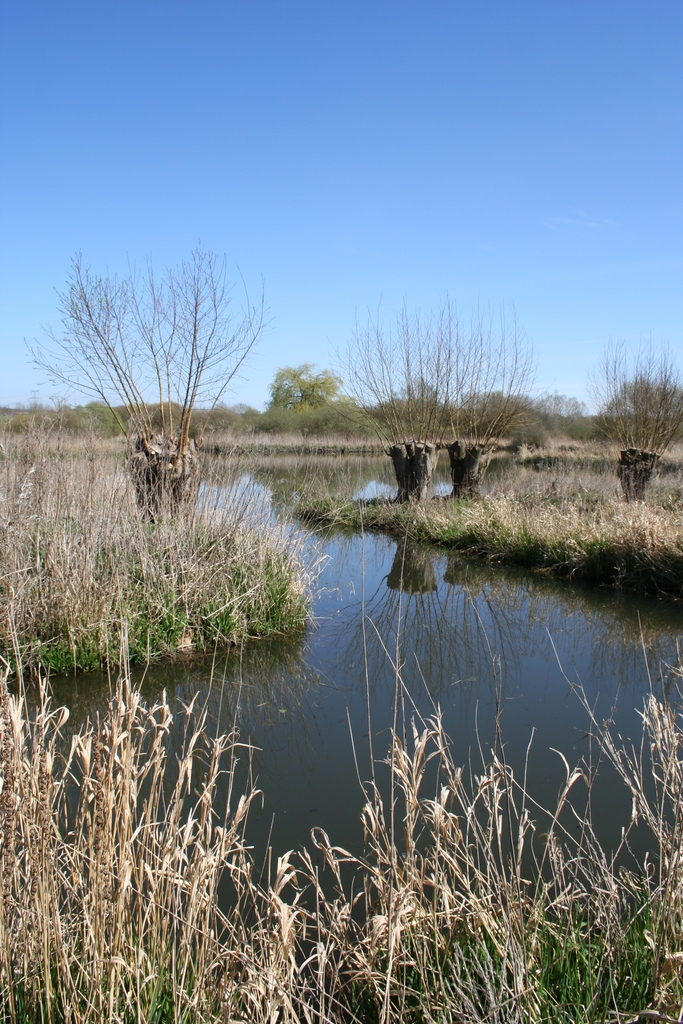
(301, 387)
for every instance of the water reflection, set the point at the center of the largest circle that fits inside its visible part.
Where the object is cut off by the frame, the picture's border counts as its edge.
(254, 687)
(457, 618)
(290, 476)
(412, 570)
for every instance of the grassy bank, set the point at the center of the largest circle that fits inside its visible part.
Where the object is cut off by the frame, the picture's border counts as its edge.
(638, 547)
(79, 569)
(470, 904)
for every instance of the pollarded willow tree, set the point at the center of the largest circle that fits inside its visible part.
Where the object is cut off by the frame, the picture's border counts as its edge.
(400, 376)
(492, 375)
(639, 397)
(425, 384)
(160, 354)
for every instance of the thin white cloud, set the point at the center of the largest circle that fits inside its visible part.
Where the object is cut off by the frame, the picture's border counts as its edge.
(579, 220)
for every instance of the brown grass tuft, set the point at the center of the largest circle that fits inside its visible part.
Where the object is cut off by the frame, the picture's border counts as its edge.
(78, 565)
(470, 904)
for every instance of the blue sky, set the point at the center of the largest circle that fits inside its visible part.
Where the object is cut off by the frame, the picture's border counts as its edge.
(351, 154)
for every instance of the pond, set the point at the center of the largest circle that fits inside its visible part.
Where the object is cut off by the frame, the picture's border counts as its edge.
(473, 641)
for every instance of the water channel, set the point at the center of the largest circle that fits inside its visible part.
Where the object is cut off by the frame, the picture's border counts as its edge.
(472, 639)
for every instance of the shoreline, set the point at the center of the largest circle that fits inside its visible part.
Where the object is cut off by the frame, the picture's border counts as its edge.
(632, 548)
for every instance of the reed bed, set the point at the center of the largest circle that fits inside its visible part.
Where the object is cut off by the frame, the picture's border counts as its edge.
(270, 443)
(79, 567)
(577, 470)
(130, 893)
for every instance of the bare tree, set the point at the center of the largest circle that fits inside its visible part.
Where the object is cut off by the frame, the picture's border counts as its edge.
(639, 397)
(399, 375)
(425, 385)
(160, 354)
(491, 377)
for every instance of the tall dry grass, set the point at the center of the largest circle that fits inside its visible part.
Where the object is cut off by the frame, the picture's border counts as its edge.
(635, 547)
(129, 892)
(78, 565)
(111, 858)
(288, 443)
(565, 470)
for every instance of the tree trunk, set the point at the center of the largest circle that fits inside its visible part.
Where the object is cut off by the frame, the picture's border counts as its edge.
(635, 469)
(467, 468)
(164, 475)
(414, 465)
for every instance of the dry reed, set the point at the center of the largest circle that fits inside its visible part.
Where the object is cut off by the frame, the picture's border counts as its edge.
(271, 443)
(470, 904)
(77, 562)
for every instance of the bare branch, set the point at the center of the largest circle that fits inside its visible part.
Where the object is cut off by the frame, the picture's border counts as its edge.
(639, 396)
(424, 382)
(139, 343)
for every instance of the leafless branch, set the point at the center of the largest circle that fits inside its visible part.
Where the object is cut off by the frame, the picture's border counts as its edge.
(639, 396)
(140, 342)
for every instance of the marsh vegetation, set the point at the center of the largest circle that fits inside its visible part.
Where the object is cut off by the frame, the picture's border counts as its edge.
(351, 821)
(144, 876)
(87, 580)
(131, 892)
(556, 509)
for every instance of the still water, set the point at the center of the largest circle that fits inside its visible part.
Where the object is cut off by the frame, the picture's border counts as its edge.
(469, 640)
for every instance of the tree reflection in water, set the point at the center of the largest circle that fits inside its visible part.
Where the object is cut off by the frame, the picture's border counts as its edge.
(412, 570)
(483, 610)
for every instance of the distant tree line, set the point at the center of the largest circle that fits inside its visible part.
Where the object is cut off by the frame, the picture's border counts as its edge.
(549, 416)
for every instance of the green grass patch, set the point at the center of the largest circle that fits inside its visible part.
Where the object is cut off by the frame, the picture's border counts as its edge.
(258, 597)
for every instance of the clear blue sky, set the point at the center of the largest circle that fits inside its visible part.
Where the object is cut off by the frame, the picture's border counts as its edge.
(351, 153)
